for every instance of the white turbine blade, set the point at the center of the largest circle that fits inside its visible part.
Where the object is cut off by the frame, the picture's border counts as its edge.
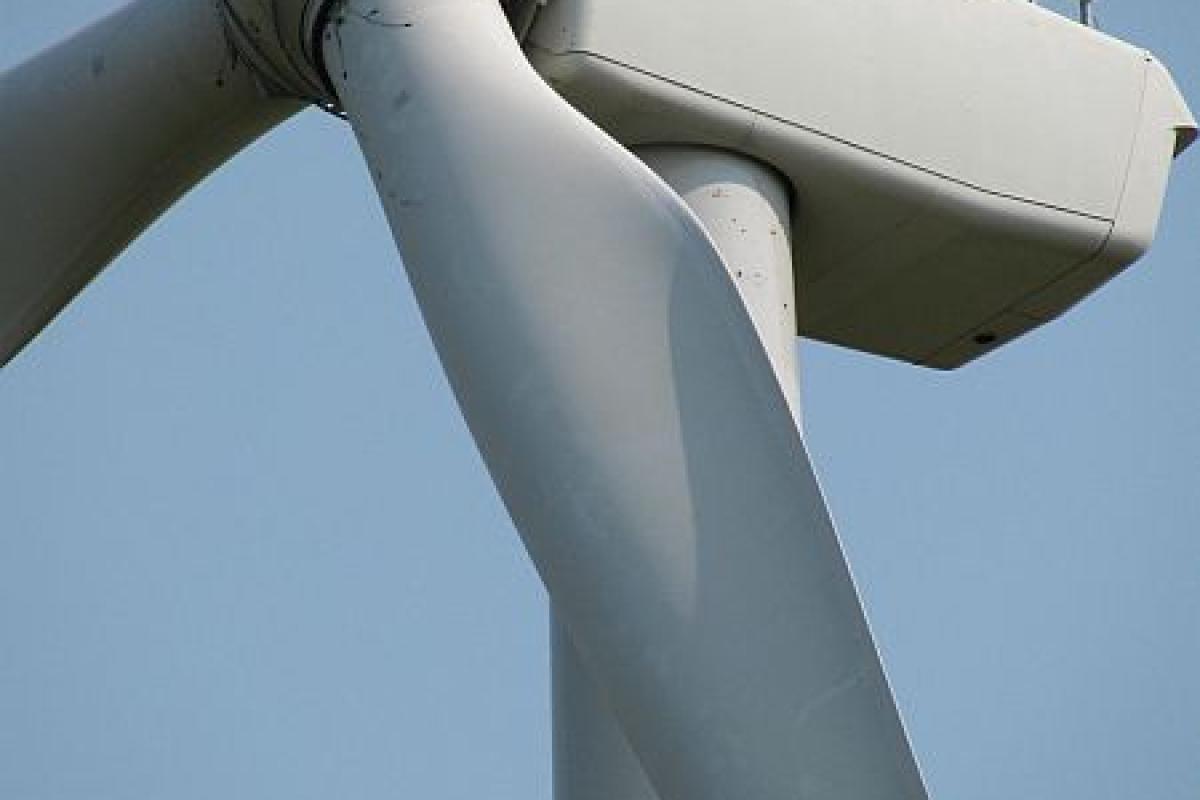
(628, 414)
(101, 134)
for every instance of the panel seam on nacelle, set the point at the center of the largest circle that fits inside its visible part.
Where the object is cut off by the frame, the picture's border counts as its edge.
(833, 138)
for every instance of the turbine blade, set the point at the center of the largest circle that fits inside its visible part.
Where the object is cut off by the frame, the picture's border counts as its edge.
(628, 414)
(101, 134)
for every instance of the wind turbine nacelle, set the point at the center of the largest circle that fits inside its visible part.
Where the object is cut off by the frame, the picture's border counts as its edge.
(963, 171)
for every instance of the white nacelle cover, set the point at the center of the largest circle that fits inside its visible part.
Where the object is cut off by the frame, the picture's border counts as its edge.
(964, 170)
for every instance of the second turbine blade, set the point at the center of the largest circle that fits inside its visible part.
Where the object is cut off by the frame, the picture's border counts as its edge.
(100, 135)
(628, 414)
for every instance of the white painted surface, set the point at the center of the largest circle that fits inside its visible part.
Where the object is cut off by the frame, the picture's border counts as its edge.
(743, 206)
(101, 134)
(965, 171)
(998, 77)
(619, 394)
(745, 209)
(592, 758)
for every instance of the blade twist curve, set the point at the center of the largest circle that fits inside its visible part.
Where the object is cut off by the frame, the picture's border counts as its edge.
(628, 414)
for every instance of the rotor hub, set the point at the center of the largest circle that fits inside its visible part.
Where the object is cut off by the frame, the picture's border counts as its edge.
(278, 40)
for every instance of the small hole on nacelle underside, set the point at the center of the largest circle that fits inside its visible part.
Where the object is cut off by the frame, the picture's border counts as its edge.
(986, 338)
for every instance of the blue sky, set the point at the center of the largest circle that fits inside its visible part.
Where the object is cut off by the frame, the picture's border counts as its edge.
(248, 549)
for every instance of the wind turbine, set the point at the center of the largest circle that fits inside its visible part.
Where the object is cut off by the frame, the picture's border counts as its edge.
(621, 394)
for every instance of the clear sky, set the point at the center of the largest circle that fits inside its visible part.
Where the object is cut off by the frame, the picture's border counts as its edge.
(247, 549)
